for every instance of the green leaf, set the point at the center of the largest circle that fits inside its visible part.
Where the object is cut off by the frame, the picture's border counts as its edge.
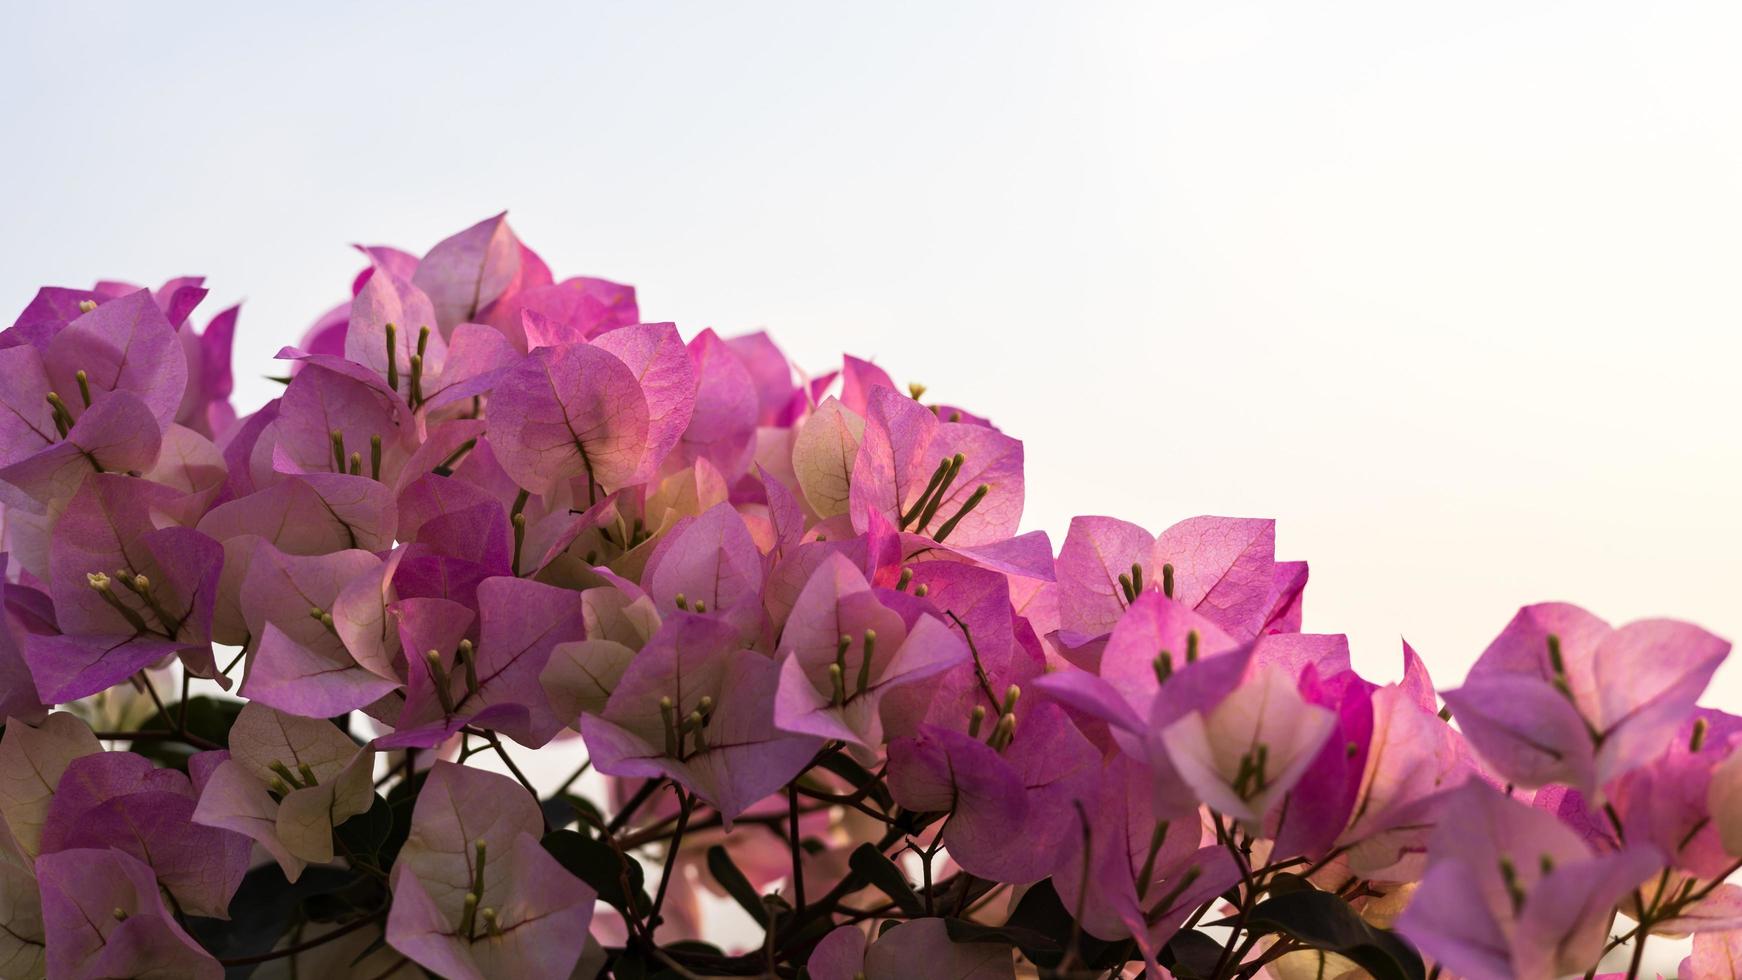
(208, 718)
(597, 864)
(629, 966)
(362, 896)
(566, 808)
(730, 878)
(366, 833)
(402, 801)
(963, 931)
(1041, 913)
(881, 872)
(1324, 921)
(264, 909)
(857, 777)
(376, 945)
(1282, 883)
(1191, 956)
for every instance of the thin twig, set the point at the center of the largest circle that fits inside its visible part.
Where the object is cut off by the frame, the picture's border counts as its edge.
(502, 753)
(623, 816)
(797, 849)
(685, 804)
(301, 947)
(577, 774)
(188, 739)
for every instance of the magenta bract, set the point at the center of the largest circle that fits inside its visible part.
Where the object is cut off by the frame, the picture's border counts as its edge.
(271, 682)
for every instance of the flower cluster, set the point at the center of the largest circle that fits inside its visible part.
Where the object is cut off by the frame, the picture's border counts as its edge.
(816, 669)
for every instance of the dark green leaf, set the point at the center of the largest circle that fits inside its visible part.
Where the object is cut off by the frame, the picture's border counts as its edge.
(877, 869)
(1042, 913)
(208, 718)
(1282, 883)
(963, 931)
(694, 947)
(910, 824)
(597, 864)
(1191, 956)
(629, 966)
(362, 896)
(560, 811)
(1324, 921)
(401, 801)
(375, 946)
(730, 878)
(365, 833)
(857, 777)
(263, 910)
(800, 943)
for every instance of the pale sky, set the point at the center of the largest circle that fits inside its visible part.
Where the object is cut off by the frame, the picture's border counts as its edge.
(1449, 290)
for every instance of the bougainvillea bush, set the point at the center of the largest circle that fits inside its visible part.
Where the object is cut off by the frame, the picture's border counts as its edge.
(814, 670)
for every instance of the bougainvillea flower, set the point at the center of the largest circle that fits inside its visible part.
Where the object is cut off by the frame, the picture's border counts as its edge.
(52, 308)
(722, 428)
(696, 707)
(1018, 779)
(18, 697)
(1411, 755)
(611, 540)
(1245, 753)
(474, 895)
(1095, 572)
(1724, 802)
(467, 272)
(580, 307)
(330, 423)
(948, 481)
(1700, 905)
(1561, 696)
(493, 683)
(1162, 663)
(105, 917)
(126, 344)
(772, 373)
(300, 663)
(581, 674)
(21, 929)
(1511, 892)
(708, 563)
(179, 297)
(307, 515)
(121, 800)
(205, 404)
(1223, 568)
(823, 455)
(391, 322)
(570, 411)
(488, 503)
(859, 378)
(1667, 801)
(286, 783)
(299, 516)
(126, 595)
(668, 377)
(1145, 874)
(1716, 956)
(31, 763)
(843, 649)
(1308, 819)
(116, 434)
(915, 948)
(1001, 652)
